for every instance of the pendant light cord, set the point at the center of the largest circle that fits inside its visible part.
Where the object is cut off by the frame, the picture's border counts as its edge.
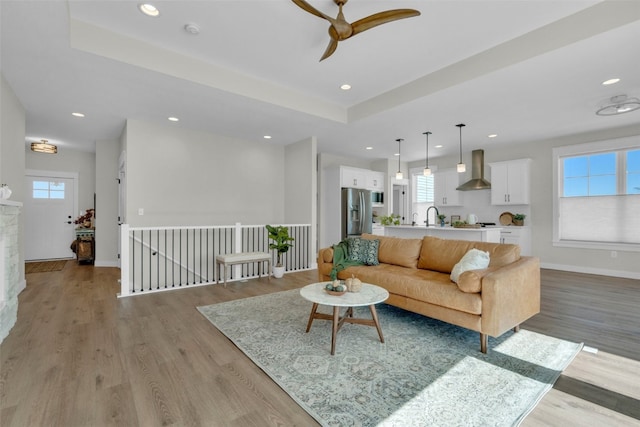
(460, 126)
(427, 160)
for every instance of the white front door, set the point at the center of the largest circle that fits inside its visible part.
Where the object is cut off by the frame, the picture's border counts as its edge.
(49, 207)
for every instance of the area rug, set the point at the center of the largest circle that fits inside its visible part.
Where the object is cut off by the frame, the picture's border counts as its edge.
(427, 373)
(44, 266)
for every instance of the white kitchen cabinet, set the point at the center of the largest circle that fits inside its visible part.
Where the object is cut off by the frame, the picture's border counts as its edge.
(445, 184)
(510, 182)
(353, 177)
(517, 236)
(375, 181)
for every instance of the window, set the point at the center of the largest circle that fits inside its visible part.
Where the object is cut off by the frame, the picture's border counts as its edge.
(598, 195)
(422, 196)
(48, 190)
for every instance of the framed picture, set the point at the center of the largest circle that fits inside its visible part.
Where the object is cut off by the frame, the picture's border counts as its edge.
(454, 218)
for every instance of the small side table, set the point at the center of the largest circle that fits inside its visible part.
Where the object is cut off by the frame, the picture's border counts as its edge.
(85, 245)
(369, 295)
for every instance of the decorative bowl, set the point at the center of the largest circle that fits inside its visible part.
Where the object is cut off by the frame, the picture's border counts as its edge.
(335, 293)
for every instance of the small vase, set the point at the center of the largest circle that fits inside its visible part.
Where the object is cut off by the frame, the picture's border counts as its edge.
(442, 223)
(519, 222)
(5, 191)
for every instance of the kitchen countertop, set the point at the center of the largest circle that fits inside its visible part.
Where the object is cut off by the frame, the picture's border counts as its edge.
(446, 228)
(483, 234)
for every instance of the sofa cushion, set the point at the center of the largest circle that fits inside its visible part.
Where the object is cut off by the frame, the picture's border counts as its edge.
(421, 285)
(442, 254)
(475, 259)
(397, 251)
(363, 250)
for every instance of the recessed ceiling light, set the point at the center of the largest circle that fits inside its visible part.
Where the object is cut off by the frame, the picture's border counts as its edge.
(396, 154)
(173, 119)
(267, 137)
(345, 87)
(149, 10)
(77, 114)
(439, 146)
(610, 82)
(493, 135)
(369, 148)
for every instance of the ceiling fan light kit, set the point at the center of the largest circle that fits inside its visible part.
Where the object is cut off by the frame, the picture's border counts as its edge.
(341, 30)
(619, 104)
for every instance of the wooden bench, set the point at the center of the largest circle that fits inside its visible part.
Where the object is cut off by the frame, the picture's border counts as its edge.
(243, 258)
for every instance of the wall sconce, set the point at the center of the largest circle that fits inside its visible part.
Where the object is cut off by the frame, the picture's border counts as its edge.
(44, 147)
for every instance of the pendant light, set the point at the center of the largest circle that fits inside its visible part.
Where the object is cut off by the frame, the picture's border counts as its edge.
(399, 174)
(461, 166)
(427, 170)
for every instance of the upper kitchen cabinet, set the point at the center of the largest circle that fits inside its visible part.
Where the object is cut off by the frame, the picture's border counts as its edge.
(510, 182)
(353, 177)
(375, 181)
(445, 183)
(361, 178)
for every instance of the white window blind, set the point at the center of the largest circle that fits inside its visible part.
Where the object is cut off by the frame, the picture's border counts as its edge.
(610, 219)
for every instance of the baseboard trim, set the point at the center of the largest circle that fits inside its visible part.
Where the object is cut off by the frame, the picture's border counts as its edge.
(22, 285)
(105, 263)
(589, 270)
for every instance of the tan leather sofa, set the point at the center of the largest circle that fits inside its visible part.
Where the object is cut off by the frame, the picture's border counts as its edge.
(416, 272)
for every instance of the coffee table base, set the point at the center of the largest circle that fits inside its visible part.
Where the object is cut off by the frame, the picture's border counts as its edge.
(338, 321)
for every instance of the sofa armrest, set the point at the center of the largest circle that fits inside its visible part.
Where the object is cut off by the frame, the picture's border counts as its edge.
(510, 295)
(325, 264)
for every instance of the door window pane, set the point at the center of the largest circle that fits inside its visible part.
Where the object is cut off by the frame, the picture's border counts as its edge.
(48, 190)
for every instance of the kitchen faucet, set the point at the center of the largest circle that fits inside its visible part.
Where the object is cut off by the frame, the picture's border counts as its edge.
(428, 209)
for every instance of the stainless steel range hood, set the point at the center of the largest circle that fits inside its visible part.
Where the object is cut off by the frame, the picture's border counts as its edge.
(477, 181)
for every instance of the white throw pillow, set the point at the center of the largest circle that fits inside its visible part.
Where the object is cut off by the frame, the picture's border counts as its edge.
(475, 259)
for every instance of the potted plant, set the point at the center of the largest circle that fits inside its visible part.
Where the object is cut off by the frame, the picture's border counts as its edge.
(281, 243)
(518, 219)
(392, 219)
(441, 217)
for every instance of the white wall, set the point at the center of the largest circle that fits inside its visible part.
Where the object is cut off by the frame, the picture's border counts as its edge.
(67, 160)
(300, 186)
(185, 177)
(540, 216)
(106, 221)
(12, 166)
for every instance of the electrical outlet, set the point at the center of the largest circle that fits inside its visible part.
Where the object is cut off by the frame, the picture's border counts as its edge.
(614, 254)
(140, 211)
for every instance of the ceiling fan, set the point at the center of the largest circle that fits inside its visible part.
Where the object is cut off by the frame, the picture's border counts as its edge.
(341, 30)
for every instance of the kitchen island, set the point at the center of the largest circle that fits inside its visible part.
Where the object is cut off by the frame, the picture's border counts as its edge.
(483, 234)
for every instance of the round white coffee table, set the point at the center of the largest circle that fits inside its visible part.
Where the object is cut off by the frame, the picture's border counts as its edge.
(369, 295)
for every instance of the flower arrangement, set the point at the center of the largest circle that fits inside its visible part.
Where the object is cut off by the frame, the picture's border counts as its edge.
(86, 219)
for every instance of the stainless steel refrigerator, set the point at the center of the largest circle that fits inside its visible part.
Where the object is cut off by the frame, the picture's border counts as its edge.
(357, 215)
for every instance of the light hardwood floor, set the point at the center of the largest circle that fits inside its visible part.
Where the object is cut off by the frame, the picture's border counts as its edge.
(78, 356)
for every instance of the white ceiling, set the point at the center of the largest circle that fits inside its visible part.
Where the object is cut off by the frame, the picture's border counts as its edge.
(526, 70)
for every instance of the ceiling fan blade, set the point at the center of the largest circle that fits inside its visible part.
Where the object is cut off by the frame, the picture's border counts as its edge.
(333, 45)
(382, 18)
(312, 10)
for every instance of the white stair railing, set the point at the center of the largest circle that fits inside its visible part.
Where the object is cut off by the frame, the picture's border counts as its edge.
(155, 259)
